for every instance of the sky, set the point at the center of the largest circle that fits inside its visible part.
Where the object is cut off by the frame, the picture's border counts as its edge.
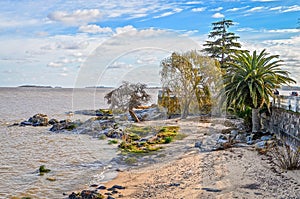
(78, 43)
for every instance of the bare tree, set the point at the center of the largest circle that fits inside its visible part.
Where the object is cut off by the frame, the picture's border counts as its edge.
(126, 97)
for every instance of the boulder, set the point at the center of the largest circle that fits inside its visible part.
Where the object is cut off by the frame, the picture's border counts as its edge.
(65, 125)
(39, 120)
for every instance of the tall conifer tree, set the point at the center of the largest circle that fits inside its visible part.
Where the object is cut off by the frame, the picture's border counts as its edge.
(224, 43)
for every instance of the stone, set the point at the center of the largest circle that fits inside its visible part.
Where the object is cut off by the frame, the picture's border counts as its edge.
(266, 137)
(39, 120)
(249, 139)
(261, 145)
(26, 123)
(101, 187)
(234, 133)
(198, 144)
(211, 190)
(118, 187)
(53, 121)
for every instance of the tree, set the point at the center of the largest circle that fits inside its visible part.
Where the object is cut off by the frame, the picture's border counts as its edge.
(224, 43)
(127, 96)
(188, 76)
(251, 80)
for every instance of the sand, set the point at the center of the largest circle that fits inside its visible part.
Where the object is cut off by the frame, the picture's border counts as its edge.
(238, 172)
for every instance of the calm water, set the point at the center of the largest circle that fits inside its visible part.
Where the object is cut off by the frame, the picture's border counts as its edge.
(75, 161)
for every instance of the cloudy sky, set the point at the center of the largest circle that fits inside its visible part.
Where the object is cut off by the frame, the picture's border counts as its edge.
(74, 43)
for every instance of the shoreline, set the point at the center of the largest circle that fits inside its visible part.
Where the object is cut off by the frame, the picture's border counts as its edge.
(187, 172)
(233, 173)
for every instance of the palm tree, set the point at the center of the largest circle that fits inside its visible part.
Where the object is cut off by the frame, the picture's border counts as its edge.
(251, 79)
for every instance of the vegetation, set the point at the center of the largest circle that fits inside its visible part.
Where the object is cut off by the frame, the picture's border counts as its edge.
(135, 144)
(286, 157)
(43, 170)
(224, 43)
(251, 80)
(113, 141)
(127, 96)
(130, 160)
(190, 77)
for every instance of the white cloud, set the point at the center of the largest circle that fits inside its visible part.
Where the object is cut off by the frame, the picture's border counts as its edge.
(293, 8)
(54, 65)
(256, 9)
(276, 8)
(217, 9)
(245, 30)
(199, 9)
(77, 17)
(124, 29)
(285, 31)
(236, 9)
(193, 2)
(94, 29)
(165, 14)
(218, 15)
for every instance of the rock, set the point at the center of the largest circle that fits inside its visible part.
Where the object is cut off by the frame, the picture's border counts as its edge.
(101, 187)
(234, 133)
(211, 190)
(174, 184)
(198, 144)
(118, 187)
(249, 139)
(86, 194)
(65, 125)
(261, 145)
(26, 123)
(39, 120)
(53, 121)
(266, 137)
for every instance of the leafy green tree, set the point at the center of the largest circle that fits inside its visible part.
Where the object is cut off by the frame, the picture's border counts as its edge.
(251, 80)
(190, 77)
(224, 43)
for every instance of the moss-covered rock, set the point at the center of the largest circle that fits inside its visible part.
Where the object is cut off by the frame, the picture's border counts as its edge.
(135, 144)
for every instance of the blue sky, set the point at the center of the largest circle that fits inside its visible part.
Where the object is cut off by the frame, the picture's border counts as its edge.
(73, 43)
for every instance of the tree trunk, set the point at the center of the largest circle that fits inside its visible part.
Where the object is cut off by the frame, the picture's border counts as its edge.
(256, 126)
(133, 115)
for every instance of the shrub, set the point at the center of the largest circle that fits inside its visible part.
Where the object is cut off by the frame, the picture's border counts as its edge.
(286, 157)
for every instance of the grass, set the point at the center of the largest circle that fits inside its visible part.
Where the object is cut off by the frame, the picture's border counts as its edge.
(164, 135)
(130, 161)
(286, 157)
(141, 131)
(113, 141)
(102, 137)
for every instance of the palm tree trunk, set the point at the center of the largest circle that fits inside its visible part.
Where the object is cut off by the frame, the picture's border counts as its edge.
(256, 126)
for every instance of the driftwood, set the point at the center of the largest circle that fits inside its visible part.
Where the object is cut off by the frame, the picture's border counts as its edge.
(133, 115)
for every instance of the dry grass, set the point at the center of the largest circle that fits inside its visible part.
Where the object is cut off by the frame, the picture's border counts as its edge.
(286, 157)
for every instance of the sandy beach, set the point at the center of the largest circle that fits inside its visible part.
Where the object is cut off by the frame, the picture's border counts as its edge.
(238, 172)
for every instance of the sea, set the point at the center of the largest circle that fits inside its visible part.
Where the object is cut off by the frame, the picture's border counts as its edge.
(76, 161)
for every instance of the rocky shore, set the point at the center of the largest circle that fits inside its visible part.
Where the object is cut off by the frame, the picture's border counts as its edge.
(195, 168)
(214, 158)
